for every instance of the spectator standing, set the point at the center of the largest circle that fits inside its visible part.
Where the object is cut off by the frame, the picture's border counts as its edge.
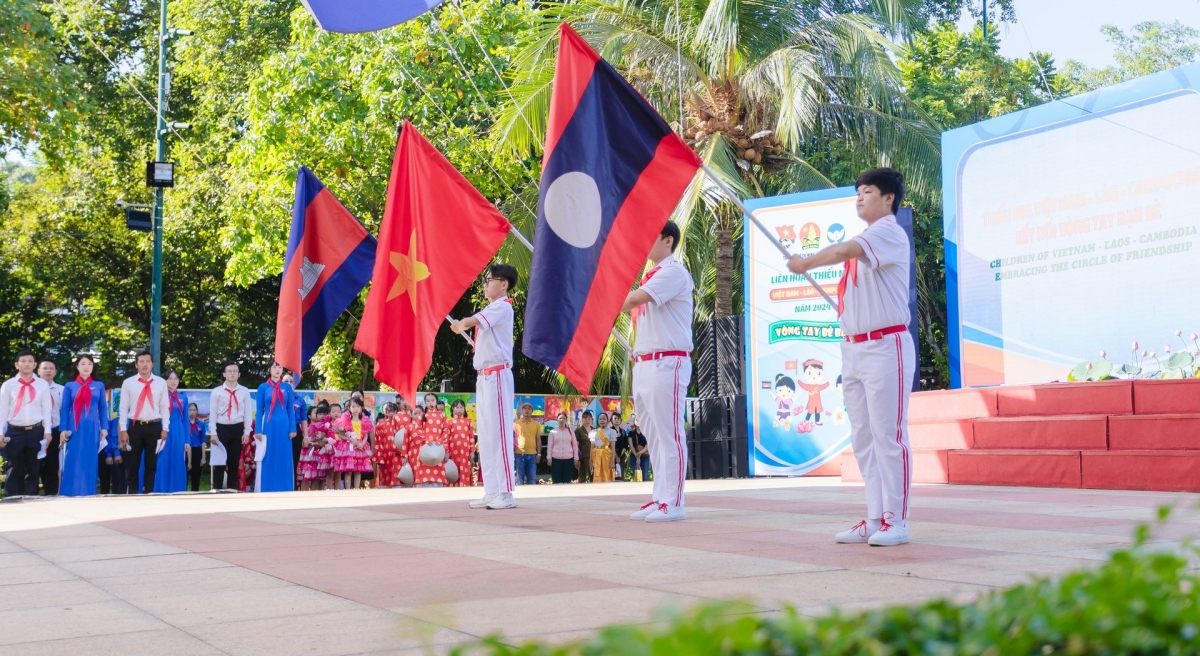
(84, 424)
(602, 451)
(460, 443)
(110, 464)
(562, 449)
(300, 412)
(276, 429)
(528, 447)
(144, 413)
(583, 437)
(48, 468)
(230, 423)
(639, 452)
(386, 458)
(194, 452)
(173, 475)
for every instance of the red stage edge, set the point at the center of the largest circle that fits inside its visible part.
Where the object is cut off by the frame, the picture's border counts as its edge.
(1111, 435)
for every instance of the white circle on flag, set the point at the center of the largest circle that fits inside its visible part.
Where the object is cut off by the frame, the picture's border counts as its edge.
(573, 209)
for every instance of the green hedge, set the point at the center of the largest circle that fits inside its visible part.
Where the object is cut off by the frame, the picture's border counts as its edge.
(1140, 601)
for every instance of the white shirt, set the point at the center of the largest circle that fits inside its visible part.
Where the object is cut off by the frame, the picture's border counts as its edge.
(494, 339)
(665, 323)
(33, 412)
(157, 408)
(56, 392)
(880, 297)
(221, 412)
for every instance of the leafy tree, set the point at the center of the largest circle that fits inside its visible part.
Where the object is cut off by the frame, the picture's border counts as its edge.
(36, 104)
(1151, 47)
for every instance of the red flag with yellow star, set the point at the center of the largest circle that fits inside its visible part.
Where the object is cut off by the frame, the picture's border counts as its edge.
(438, 232)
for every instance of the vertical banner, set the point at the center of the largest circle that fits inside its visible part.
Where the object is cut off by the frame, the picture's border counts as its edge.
(797, 419)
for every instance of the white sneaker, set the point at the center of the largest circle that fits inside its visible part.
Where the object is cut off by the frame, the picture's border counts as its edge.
(503, 501)
(665, 513)
(483, 503)
(889, 535)
(645, 510)
(860, 533)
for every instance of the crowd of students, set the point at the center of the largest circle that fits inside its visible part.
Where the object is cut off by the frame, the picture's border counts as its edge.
(59, 439)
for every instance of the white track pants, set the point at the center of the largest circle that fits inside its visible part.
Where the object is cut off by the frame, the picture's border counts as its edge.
(494, 422)
(877, 379)
(659, 391)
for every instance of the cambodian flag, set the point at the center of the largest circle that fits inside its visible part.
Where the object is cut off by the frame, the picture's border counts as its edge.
(365, 15)
(612, 173)
(329, 260)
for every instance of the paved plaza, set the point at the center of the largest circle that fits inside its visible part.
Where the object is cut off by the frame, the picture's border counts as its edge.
(417, 571)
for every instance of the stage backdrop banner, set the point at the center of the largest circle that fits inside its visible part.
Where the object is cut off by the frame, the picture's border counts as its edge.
(793, 339)
(1070, 228)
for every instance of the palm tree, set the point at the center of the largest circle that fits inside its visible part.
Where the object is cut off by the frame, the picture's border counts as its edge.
(752, 85)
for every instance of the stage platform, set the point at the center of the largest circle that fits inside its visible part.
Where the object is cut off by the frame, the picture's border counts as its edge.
(394, 571)
(1109, 435)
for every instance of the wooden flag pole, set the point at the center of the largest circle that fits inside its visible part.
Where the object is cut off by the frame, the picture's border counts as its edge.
(782, 249)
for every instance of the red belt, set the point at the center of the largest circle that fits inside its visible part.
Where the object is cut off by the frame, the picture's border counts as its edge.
(492, 370)
(660, 355)
(875, 334)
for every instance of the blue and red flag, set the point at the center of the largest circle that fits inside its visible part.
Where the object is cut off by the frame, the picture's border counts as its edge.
(329, 260)
(365, 15)
(612, 173)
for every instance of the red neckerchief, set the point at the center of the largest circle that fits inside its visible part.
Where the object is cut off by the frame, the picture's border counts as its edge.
(276, 396)
(232, 402)
(475, 335)
(176, 403)
(26, 385)
(83, 400)
(849, 274)
(145, 396)
(639, 310)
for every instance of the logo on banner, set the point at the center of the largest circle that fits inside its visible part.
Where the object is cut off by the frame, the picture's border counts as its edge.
(810, 237)
(787, 235)
(836, 234)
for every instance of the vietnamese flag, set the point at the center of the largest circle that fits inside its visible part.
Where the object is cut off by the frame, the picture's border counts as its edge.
(438, 232)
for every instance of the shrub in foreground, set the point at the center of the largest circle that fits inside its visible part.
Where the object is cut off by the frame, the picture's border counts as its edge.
(1140, 601)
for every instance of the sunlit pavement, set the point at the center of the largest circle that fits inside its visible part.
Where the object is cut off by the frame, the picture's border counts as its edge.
(410, 571)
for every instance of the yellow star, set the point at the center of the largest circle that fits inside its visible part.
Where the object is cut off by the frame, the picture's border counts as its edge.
(409, 272)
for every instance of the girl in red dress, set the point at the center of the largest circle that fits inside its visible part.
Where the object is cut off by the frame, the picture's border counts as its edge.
(459, 439)
(424, 429)
(385, 457)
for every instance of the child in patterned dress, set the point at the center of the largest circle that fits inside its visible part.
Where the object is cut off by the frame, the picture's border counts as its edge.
(385, 448)
(460, 443)
(317, 441)
(354, 447)
(424, 429)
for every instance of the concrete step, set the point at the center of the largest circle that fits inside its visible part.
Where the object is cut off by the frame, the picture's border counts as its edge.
(1111, 397)
(947, 434)
(1154, 432)
(1161, 397)
(1057, 433)
(1163, 471)
(945, 405)
(1024, 467)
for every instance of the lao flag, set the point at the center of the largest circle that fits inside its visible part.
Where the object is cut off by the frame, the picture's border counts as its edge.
(365, 15)
(329, 260)
(612, 173)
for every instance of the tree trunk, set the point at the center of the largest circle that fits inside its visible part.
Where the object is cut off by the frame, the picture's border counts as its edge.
(723, 296)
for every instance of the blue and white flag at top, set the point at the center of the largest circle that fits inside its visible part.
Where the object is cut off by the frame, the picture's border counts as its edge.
(365, 15)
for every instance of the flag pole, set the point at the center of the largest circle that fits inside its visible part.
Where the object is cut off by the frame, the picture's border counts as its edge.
(775, 242)
(521, 238)
(450, 319)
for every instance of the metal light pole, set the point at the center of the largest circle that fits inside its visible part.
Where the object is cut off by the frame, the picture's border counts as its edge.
(984, 18)
(160, 135)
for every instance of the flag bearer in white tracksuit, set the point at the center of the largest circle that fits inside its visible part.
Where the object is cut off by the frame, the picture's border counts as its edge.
(878, 355)
(662, 309)
(494, 387)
